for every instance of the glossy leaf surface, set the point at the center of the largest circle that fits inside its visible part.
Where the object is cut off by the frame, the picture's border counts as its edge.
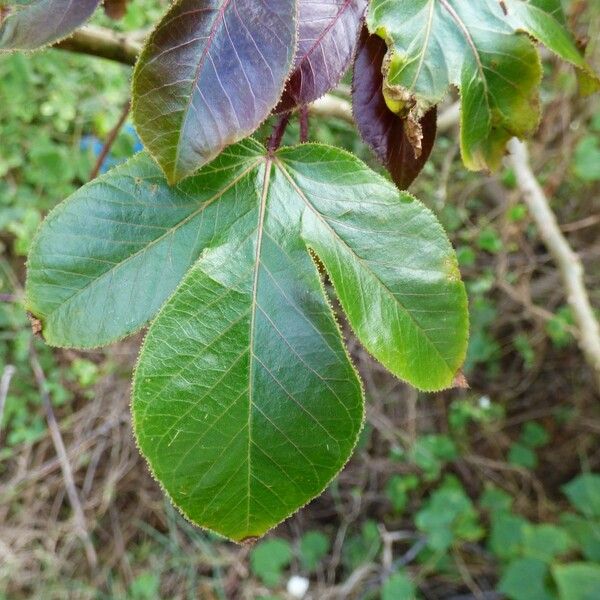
(107, 258)
(327, 34)
(35, 23)
(384, 130)
(244, 400)
(209, 74)
(476, 47)
(390, 263)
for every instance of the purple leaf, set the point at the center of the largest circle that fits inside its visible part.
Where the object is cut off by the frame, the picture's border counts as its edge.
(210, 73)
(403, 146)
(41, 22)
(327, 35)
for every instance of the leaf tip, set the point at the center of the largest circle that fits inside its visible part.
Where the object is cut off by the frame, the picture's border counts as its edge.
(250, 541)
(36, 325)
(460, 381)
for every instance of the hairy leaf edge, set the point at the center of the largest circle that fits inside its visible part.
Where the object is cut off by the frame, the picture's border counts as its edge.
(464, 303)
(27, 300)
(133, 95)
(49, 44)
(134, 422)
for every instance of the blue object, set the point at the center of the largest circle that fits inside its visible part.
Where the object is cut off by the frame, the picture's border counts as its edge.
(90, 143)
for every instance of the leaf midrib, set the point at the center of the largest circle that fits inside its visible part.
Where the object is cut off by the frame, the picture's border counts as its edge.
(467, 35)
(213, 31)
(253, 309)
(425, 43)
(309, 205)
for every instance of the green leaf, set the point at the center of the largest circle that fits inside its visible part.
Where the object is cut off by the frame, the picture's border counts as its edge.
(314, 546)
(389, 262)
(398, 587)
(545, 541)
(397, 489)
(145, 586)
(584, 494)
(244, 400)
(586, 160)
(269, 558)
(432, 452)
(434, 44)
(544, 20)
(534, 435)
(362, 547)
(522, 456)
(577, 581)
(586, 532)
(525, 579)
(448, 517)
(208, 76)
(495, 500)
(106, 259)
(506, 535)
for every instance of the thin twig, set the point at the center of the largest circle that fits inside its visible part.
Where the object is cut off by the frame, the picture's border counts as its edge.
(61, 452)
(303, 113)
(569, 264)
(105, 43)
(110, 140)
(274, 141)
(467, 577)
(410, 554)
(7, 375)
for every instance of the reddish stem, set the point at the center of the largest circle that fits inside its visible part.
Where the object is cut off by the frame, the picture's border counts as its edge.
(274, 141)
(303, 124)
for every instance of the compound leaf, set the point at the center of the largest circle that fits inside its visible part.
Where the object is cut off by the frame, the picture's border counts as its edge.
(31, 24)
(479, 48)
(386, 131)
(209, 74)
(327, 34)
(245, 402)
(107, 258)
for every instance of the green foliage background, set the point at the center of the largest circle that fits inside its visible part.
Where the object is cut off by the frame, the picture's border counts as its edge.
(489, 488)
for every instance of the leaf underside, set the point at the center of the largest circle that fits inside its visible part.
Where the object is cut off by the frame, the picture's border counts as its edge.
(327, 34)
(30, 25)
(210, 73)
(382, 129)
(245, 402)
(481, 50)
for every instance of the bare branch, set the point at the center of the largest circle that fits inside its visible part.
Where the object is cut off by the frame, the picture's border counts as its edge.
(102, 42)
(569, 264)
(61, 452)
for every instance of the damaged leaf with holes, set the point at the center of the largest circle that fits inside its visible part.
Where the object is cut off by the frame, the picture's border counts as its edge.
(483, 48)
